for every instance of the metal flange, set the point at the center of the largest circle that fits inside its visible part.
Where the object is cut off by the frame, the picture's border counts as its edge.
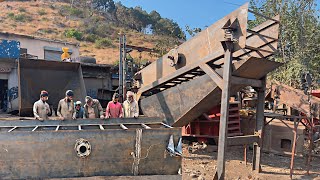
(82, 148)
(173, 57)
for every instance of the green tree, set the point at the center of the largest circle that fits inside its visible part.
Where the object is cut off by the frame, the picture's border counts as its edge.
(104, 5)
(192, 31)
(298, 39)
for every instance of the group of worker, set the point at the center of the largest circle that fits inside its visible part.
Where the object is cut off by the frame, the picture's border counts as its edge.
(92, 108)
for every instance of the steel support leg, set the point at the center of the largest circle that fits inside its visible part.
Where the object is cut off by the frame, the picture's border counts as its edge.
(260, 121)
(223, 129)
(293, 152)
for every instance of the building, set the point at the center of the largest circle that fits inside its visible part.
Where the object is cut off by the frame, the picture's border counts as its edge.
(98, 81)
(15, 48)
(41, 48)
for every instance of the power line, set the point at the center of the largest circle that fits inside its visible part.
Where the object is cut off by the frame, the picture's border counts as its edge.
(238, 5)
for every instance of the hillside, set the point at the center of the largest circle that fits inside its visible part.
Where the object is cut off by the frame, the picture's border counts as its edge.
(96, 33)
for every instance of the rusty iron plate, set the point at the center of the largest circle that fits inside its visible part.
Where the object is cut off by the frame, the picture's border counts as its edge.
(55, 77)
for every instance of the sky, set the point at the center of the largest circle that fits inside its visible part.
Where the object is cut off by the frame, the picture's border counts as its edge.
(194, 13)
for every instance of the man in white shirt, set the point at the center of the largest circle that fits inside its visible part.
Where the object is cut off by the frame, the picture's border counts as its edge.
(130, 106)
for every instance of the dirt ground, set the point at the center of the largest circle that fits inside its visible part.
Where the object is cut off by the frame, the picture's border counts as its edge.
(199, 162)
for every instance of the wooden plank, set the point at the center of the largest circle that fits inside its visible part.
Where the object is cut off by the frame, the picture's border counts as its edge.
(34, 128)
(145, 126)
(13, 128)
(213, 74)
(246, 81)
(123, 127)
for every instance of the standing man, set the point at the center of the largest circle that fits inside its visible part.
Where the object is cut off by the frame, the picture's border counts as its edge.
(66, 107)
(114, 108)
(79, 110)
(130, 106)
(93, 108)
(41, 109)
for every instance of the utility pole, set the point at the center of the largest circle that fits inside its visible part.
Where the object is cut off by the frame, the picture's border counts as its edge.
(120, 66)
(124, 65)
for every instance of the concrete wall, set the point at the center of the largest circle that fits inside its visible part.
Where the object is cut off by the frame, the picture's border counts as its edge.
(35, 46)
(278, 137)
(13, 95)
(12, 77)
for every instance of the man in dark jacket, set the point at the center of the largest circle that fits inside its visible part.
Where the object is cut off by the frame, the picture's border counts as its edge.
(93, 109)
(79, 110)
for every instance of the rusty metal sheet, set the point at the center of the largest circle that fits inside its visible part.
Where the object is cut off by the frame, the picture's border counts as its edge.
(33, 152)
(183, 103)
(55, 77)
(295, 98)
(204, 43)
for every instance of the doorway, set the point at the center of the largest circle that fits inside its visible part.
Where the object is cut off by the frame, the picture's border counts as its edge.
(3, 95)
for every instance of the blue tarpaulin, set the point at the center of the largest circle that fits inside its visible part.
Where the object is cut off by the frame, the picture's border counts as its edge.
(9, 49)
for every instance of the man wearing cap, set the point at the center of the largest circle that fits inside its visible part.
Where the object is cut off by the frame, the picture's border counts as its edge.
(41, 109)
(93, 109)
(79, 110)
(130, 106)
(114, 108)
(66, 107)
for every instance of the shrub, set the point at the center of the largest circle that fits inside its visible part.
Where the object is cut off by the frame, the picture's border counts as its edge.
(73, 33)
(19, 17)
(22, 9)
(11, 15)
(103, 42)
(75, 12)
(51, 6)
(42, 12)
(91, 38)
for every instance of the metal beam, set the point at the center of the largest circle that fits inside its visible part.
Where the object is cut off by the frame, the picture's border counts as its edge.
(34, 128)
(228, 44)
(240, 140)
(145, 126)
(13, 128)
(293, 150)
(258, 34)
(258, 49)
(213, 74)
(266, 17)
(167, 126)
(260, 121)
(246, 81)
(123, 127)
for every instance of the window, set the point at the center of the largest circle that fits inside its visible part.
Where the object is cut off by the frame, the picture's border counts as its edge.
(53, 53)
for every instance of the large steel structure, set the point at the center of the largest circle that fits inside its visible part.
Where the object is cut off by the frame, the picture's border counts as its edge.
(82, 148)
(206, 70)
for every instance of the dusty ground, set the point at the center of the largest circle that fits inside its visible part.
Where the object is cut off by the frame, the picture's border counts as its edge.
(201, 164)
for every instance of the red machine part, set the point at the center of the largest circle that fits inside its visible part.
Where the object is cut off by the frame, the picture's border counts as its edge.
(207, 125)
